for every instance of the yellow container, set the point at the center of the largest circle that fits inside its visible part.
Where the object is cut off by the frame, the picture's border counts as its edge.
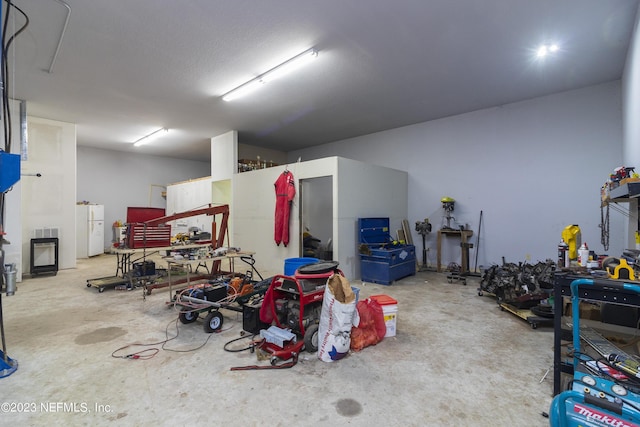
(571, 236)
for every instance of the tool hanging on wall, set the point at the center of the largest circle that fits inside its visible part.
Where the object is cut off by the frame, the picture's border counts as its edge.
(604, 226)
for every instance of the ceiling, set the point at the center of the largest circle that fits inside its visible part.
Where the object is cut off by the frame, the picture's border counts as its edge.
(125, 68)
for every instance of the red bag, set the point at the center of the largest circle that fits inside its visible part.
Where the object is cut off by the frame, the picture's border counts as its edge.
(371, 328)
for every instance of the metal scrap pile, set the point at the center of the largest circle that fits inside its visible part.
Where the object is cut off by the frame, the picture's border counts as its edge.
(515, 283)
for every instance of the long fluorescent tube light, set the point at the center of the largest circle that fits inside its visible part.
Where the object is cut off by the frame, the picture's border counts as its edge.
(151, 137)
(274, 73)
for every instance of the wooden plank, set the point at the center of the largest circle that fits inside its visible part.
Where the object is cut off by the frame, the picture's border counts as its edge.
(407, 232)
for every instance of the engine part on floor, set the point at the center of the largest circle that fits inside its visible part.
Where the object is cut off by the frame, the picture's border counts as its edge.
(264, 350)
(509, 282)
(277, 336)
(528, 315)
(455, 273)
(543, 310)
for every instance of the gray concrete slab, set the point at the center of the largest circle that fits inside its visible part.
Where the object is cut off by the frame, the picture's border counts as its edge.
(457, 359)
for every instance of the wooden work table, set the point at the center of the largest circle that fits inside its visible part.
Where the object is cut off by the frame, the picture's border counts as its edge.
(463, 235)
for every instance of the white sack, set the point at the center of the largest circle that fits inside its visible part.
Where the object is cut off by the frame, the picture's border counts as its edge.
(336, 319)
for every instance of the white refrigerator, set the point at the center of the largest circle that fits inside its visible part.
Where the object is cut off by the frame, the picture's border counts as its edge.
(89, 230)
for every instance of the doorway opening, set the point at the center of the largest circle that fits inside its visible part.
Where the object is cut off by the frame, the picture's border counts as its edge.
(316, 217)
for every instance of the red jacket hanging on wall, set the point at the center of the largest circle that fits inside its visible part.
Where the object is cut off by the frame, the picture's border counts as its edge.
(285, 192)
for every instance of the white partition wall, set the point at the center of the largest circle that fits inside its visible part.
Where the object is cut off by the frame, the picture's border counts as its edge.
(13, 200)
(50, 201)
(359, 190)
(187, 196)
(366, 191)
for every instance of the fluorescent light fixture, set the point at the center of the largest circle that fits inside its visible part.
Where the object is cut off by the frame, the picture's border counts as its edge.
(274, 73)
(151, 137)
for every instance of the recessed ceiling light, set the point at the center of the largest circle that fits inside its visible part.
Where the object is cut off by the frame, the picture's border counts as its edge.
(547, 49)
(542, 51)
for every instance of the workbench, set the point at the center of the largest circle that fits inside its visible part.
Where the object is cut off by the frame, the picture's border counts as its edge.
(123, 255)
(562, 288)
(464, 237)
(192, 265)
(124, 263)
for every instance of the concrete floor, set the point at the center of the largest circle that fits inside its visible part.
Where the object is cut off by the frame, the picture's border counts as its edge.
(457, 360)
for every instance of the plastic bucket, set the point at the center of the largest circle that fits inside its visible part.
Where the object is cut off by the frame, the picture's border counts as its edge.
(292, 264)
(390, 312)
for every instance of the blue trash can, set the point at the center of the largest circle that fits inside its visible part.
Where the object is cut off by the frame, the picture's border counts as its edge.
(292, 264)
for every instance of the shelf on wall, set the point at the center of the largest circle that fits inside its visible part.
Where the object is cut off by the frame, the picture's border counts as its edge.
(246, 165)
(627, 190)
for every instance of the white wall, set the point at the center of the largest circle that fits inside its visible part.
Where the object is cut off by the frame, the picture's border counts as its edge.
(631, 112)
(532, 167)
(118, 180)
(49, 201)
(187, 196)
(365, 191)
(224, 156)
(631, 100)
(13, 201)
(251, 152)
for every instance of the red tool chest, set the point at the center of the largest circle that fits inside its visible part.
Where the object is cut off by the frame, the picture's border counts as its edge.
(140, 235)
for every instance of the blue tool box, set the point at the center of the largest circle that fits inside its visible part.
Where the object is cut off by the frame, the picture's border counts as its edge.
(382, 261)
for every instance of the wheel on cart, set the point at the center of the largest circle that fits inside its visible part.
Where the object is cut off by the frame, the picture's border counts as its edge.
(187, 316)
(311, 338)
(213, 322)
(101, 289)
(88, 285)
